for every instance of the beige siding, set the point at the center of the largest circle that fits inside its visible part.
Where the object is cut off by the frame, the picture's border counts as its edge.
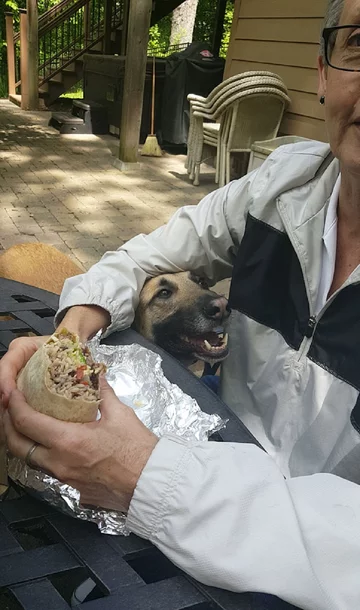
(282, 36)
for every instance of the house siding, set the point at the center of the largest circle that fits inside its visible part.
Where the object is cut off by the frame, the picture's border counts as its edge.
(282, 36)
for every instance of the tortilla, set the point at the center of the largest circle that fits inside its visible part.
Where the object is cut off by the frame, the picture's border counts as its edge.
(62, 380)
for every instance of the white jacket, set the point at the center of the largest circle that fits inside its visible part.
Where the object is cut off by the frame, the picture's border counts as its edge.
(224, 512)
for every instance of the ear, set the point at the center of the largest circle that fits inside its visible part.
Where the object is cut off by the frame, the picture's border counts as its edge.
(322, 72)
(199, 279)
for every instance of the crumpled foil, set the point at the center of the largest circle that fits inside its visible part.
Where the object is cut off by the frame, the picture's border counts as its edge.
(136, 376)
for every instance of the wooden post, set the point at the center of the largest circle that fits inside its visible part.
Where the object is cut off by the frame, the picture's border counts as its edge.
(33, 55)
(87, 14)
(10, 52)
(124, 33)
(24, 59)
(134, 80)
(219, 26)
(107, 27)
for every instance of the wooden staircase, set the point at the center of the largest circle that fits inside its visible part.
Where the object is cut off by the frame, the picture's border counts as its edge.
(65, 33)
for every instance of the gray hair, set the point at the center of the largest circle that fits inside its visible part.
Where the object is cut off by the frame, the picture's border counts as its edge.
(332, 18)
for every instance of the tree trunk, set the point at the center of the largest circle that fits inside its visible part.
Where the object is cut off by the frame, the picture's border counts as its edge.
(183, 21)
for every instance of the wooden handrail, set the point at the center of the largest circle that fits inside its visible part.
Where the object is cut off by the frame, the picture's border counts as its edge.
(24, 59)
(48, 15)
(10, 52)
(69, 12)
(76, 26)
(69, 61)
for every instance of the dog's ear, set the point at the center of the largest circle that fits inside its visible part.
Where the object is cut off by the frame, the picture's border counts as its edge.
(199, 279)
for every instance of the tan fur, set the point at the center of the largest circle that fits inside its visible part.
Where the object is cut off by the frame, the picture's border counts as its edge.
(185, 292)
(38, 265)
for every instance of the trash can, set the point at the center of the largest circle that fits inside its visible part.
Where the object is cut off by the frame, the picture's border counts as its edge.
(194, 70)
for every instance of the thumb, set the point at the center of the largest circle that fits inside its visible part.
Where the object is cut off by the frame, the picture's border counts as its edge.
(109, 400)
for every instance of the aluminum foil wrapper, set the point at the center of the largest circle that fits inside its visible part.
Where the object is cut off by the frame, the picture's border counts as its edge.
(136, 375)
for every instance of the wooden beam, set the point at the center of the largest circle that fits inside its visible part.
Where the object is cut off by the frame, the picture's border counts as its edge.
(107, 27)
(24, 59)
(134, 80)
(33, 55)
(10, 52)
(125, 25)
(86, 26)
(219, 26)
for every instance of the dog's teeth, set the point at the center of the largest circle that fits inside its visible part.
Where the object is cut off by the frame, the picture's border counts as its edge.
(226, 337)
(207, 344)
(221, 335)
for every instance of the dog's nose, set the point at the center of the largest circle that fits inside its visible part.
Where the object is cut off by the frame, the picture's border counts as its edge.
(217, 309)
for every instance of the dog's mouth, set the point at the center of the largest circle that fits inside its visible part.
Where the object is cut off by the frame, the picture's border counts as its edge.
(211, 346)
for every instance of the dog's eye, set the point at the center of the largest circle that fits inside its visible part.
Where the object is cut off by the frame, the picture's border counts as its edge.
(203, 283)
(164, 293)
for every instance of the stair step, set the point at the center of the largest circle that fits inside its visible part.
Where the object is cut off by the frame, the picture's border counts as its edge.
(86, 105)
(64, 117)
(15, 99)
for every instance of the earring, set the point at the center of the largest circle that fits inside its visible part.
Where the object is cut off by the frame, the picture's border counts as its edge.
(322, 100)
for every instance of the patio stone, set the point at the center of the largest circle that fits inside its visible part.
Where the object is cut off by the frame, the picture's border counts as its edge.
(65, 190)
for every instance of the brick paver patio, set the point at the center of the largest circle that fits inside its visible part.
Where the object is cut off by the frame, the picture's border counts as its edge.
(65, 191)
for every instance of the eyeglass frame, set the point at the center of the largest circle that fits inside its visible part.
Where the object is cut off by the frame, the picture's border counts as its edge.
(326, 37)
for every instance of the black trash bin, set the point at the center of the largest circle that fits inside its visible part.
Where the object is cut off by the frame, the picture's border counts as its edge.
(195, 70)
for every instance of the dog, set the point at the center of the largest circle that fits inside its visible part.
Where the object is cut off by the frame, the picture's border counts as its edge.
(179, 312)
(176, 311)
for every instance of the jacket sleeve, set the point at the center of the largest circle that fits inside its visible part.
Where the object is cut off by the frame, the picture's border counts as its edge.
(224, 514)
(201, 238)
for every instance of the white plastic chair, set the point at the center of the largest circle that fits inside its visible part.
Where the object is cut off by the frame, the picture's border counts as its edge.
(248, 116)
(199, 115)
(210, 108)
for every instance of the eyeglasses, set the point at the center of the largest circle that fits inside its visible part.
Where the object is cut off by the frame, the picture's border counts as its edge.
(342, 47)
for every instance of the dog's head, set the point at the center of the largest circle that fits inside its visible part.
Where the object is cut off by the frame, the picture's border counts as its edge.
(179, 313)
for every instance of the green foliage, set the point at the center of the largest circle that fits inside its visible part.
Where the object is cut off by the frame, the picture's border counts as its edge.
(203, 31)
(227, 28)
(159, 34)
(75, 93)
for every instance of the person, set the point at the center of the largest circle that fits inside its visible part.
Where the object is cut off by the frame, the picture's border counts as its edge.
(285, 521)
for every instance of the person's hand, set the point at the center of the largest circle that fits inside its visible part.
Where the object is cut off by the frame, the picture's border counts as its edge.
(102, 459)
(85, 321)
(19, 352)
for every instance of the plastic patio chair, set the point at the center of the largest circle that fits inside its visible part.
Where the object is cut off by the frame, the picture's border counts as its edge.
(209, 109)
(248, 116)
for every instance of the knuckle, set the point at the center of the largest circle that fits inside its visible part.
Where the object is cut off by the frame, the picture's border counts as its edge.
(19, 421)
(18, 342)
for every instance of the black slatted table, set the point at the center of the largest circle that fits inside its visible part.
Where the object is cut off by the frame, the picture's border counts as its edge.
(45, 556)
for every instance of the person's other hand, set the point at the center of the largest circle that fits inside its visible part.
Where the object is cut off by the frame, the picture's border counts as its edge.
(102, 459)
(19, 352)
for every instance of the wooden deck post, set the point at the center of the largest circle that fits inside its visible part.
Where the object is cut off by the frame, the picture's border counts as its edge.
(24, 59)
(219, 26)
(10, 52)
(107, 27)
(134, 80)
(33, 55)
(124, 33)
(87, 18)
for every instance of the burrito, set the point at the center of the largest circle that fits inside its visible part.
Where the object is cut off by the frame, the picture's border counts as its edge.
(62, 380)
